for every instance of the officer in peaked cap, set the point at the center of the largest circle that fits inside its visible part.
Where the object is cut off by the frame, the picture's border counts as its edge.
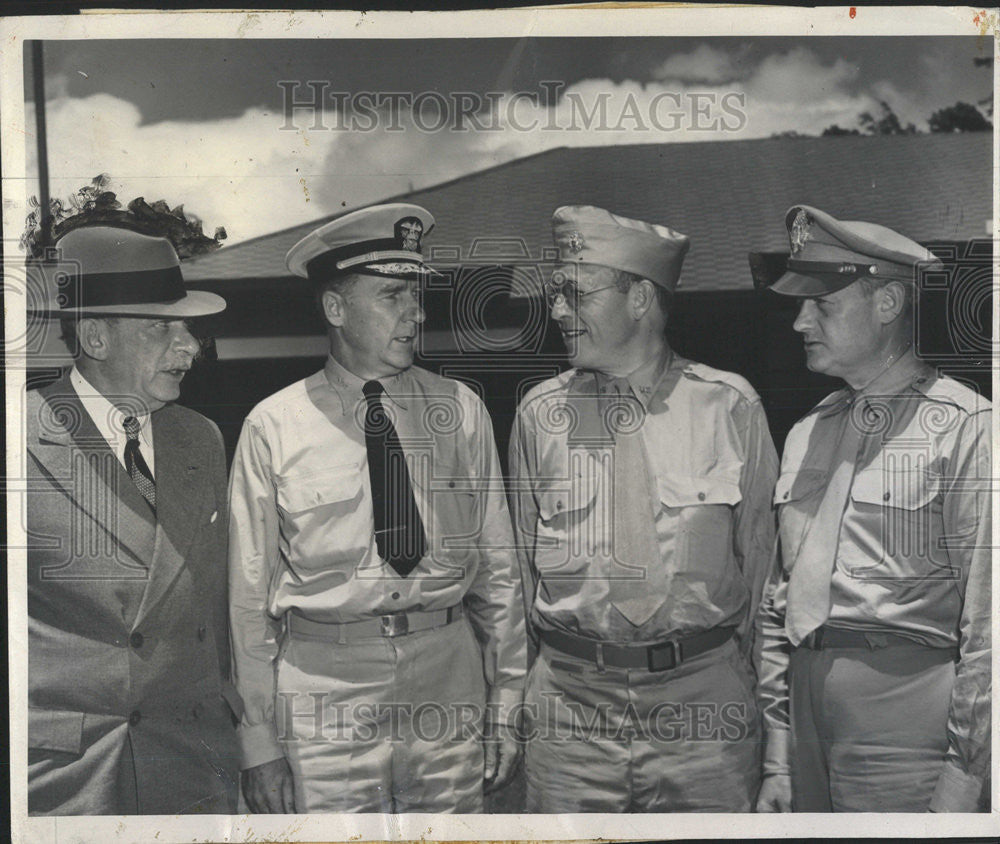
(642, 491)
(377, 614)
(130, 709)
(875, 629)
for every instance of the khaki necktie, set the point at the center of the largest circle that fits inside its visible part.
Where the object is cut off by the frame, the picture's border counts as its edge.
(809, 584)
(638, 578)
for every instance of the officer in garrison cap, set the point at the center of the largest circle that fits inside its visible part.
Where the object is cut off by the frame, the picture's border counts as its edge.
(377, 615)
(875, 629)
(642, 486)
(130, 709)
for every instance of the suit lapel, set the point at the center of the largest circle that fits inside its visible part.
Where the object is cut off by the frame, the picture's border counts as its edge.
(179, 494)
(79, 463)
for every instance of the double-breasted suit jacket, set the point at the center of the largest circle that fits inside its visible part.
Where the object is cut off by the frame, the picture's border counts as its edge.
(130, 709)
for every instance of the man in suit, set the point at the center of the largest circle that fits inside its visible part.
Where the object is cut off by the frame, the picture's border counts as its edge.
(376, 607)
(875, 633)
(130, 710)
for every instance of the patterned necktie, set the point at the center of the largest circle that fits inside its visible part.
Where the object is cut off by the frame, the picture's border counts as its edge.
(808, 604)
(637, 584)
(135, 463)
(399, 530)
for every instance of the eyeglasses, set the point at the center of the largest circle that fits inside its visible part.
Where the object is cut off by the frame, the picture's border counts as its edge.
(569, 294)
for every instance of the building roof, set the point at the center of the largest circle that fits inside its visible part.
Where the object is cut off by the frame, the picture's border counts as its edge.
(730, 197)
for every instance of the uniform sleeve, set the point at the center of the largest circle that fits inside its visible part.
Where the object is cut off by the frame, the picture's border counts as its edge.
(771, 653)
(524, 512)
(968, 530)
(753, 535)
(253, 557)
(494, 600)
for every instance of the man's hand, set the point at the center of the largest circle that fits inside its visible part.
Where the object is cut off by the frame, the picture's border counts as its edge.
(268, 788)
(775, 794)
(502, 752)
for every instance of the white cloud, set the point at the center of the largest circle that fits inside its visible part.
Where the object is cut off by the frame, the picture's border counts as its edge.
(703, 64)
(248, 175)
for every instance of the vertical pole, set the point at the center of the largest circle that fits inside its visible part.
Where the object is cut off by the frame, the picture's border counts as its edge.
(45, 213)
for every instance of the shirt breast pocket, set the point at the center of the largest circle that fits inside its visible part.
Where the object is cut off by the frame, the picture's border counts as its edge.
(898, 513)
(569, 530)
(324, 514)
(448, 500)
(698, 510)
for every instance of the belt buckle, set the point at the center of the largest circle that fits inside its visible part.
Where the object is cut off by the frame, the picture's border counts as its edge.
(653, 652)
(394, 624)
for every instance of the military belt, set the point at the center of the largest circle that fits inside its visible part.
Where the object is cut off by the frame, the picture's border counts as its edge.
(386, 626)
(657, 656)
(825, 637)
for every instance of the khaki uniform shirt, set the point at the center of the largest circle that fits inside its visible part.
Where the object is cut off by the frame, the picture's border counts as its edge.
(913, 557)
(302, 535)
(712, 467)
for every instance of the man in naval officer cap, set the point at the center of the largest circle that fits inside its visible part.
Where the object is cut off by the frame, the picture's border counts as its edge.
(376, 607)
(642, 486)
(875, 631)
(130, 709)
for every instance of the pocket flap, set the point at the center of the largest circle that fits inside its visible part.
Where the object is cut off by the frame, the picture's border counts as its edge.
(321, 487)
(694, 490)
(567, 496)
(908, 489)
(794, 486)
(55, 729)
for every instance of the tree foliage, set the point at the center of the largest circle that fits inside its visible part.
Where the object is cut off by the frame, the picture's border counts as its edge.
(961, 117)
(94, 204)
(886, 122)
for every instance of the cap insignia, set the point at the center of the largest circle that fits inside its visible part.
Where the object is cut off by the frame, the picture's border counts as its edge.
(800, 231)
(575, 242)
(408, 232)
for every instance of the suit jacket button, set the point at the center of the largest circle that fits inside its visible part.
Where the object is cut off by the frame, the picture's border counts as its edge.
(134, 718)
(136, 640)
(201, 633)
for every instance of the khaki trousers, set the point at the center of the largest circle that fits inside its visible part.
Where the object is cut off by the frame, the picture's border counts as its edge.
(631, 740)
(869, 727)
(384, 724)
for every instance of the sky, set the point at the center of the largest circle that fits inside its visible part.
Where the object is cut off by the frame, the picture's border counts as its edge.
(204, 123)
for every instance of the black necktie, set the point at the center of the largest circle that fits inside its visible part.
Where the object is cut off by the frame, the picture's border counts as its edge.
(399, 530)
(135, 463)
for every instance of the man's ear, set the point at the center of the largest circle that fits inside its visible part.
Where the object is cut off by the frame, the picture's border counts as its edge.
(94, 338)
(641, 296)
(333, 307)
(891, 299)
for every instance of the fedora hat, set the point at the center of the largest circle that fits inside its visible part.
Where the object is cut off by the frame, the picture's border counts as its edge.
(108, 271)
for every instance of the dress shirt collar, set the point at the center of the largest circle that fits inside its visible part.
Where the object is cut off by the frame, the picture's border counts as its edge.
(906, 371)
(643, 381)
(348, 386)
(108, 419)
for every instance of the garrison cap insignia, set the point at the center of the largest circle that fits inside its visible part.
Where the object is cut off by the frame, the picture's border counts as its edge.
(800, 230)
(408, 232)
(575, 242)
